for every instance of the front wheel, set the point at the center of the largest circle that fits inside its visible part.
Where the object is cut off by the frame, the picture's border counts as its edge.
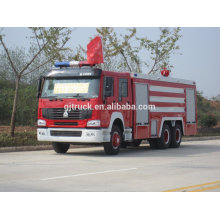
(113, 147)
(60, 148)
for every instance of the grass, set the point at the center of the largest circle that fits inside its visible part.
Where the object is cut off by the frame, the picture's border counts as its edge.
(207, 134)
(20, 139)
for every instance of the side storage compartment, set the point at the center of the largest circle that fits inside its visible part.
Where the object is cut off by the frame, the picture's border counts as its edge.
(191, 126)
(141, 126)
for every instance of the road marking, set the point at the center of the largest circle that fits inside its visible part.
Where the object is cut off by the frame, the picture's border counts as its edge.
(191, 187)
(205, 189)
(86, 174)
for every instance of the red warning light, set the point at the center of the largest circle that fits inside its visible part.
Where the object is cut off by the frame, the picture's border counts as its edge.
(165, 72)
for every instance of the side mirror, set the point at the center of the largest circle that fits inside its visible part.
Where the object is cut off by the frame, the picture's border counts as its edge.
(39, 87)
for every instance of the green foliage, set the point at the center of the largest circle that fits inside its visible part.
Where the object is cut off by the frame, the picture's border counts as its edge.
(161, 49)
(79, 55)
(209, 120)
(115, 46)
(203, 107)
(27, 103)
(6, 101)
(51, 40)
(208, 114)
(126, 49)
(46, 43)
(19, 57)
(20, 139)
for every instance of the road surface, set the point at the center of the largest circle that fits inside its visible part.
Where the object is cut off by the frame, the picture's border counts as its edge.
(195, 166)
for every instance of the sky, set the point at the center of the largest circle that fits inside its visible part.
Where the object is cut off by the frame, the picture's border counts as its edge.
(200, 49)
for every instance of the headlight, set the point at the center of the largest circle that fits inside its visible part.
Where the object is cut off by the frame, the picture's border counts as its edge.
(93, 123)
(41, 122)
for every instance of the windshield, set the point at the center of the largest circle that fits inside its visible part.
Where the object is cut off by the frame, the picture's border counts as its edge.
(70, 88)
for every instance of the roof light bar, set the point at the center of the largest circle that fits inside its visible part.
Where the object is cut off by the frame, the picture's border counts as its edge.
(73, 64)
(67, 64)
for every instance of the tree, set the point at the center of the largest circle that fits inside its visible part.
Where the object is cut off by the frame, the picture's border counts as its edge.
(161, 49)
(47, 42)
(115, 46)
(209, 120)
(6, 100)
(124, 50)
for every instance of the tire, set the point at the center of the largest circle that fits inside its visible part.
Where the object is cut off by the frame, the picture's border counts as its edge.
(60, 148)
(153, 143)
(113, 147)
(165, 139)
(176, 136)
(136, 143)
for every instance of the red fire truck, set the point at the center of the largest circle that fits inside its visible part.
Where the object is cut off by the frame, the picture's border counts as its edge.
(116, 109)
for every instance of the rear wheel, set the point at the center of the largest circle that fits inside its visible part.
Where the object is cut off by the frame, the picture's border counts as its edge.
(165, 139)
(60, 148)
(113, 147)
(176, 136)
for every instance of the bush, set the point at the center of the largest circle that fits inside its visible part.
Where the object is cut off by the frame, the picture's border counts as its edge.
(26, 113)
(209, 120)
(20, 139)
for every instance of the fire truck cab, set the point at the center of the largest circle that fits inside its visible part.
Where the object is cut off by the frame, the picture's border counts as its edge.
(88, 105)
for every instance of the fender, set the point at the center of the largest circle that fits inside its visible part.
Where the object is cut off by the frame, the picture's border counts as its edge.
(173, 121)
(115, 115)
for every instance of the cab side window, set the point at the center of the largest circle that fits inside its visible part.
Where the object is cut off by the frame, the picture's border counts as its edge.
(108, 87)
(123, 88)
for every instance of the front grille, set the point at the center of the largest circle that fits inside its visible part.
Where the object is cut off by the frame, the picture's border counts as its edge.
(66, 123)
(66, 133)
(58, 114)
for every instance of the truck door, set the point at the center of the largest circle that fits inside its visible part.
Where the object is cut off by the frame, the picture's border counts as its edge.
(109, 98)
(124, 99)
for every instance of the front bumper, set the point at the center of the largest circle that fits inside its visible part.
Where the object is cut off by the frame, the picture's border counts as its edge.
(87, 136)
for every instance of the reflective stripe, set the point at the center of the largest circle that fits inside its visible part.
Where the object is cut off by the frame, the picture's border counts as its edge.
(166, 89)
(166, 99)
(168, 109)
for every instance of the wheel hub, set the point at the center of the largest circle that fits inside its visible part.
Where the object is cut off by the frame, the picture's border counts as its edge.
(177, 135)
(166, 136)
(116, 140)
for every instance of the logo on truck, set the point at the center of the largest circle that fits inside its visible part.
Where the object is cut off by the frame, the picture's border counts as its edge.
(65, 114)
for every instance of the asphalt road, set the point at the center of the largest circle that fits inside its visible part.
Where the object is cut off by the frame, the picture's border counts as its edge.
(195, 166)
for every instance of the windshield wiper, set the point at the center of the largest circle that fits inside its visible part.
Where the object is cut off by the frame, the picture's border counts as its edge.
(48, 97)
(52, 98)
(77, 95)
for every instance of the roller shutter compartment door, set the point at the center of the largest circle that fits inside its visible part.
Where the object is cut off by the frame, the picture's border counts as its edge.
(190, 106)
